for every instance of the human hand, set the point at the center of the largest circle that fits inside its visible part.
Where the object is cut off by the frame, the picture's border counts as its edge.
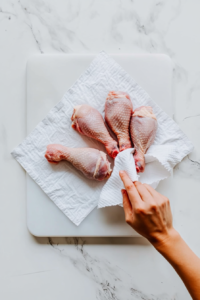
(146, 210)
(149, 213)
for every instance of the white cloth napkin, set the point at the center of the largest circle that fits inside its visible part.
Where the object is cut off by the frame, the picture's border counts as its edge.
(74, 194)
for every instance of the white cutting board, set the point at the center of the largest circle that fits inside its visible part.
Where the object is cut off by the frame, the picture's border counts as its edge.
(48, 78)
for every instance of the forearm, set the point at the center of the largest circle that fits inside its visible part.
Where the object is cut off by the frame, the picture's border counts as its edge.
(149, 213)
(184, 261)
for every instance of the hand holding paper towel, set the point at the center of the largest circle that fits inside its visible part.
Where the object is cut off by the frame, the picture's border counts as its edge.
(153, 174)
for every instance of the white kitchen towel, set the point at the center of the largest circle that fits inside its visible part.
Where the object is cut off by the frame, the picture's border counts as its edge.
(74, 194)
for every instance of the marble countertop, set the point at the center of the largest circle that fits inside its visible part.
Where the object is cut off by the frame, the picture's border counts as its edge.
(94, 268)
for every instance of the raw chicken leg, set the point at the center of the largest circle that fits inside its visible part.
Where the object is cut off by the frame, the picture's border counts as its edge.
(88, 121)
(143, 128)
(118, 110)
(91, 162)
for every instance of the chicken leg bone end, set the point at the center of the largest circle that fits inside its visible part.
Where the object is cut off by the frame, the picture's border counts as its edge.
(139, 162)
(55, 153)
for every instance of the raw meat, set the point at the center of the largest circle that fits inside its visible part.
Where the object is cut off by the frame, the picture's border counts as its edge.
(143, 128)
(91, 162)
(88, 121)
(118, 110)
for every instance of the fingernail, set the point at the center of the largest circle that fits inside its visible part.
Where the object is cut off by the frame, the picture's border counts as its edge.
(122, 172)
(122, 191)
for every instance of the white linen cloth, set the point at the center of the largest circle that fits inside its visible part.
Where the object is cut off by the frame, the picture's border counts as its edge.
(74, 194)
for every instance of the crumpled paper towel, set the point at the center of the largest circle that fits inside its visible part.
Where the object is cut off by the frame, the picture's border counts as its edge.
(111, 192)
(74, 194)
(154, 173)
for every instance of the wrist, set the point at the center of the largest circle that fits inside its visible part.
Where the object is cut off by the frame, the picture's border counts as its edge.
(164, 241)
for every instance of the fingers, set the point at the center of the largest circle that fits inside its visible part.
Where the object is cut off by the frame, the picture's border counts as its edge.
(151, 190)
(128, 183)
(127, 206)
(131, 189)
(143, 192)
(126, 202)
(156, 196)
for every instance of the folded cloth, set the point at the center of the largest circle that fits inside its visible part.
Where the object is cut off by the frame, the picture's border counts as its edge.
(74, 194)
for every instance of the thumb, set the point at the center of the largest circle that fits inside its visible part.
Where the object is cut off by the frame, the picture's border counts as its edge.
(127, 206)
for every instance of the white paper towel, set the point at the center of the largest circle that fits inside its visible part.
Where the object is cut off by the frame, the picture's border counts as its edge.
(154, 173)
(74, 194)
(111, 192)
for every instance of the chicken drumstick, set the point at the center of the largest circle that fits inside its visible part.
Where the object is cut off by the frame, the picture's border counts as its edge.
(143, 128)
(118, 110)
(91, 162)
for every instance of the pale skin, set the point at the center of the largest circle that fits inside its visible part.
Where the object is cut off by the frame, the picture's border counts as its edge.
(149, 213)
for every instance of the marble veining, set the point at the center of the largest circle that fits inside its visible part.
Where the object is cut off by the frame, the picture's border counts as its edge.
(111, 281)
(118, 271)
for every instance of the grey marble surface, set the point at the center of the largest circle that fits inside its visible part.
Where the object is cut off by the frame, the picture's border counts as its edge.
(94, 268)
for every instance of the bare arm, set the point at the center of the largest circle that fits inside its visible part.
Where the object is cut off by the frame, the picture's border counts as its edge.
(149, 213)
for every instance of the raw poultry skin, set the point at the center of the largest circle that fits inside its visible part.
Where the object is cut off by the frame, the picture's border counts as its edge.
(118, 110)
(91, 162)
(88, 121)
(143, 128)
